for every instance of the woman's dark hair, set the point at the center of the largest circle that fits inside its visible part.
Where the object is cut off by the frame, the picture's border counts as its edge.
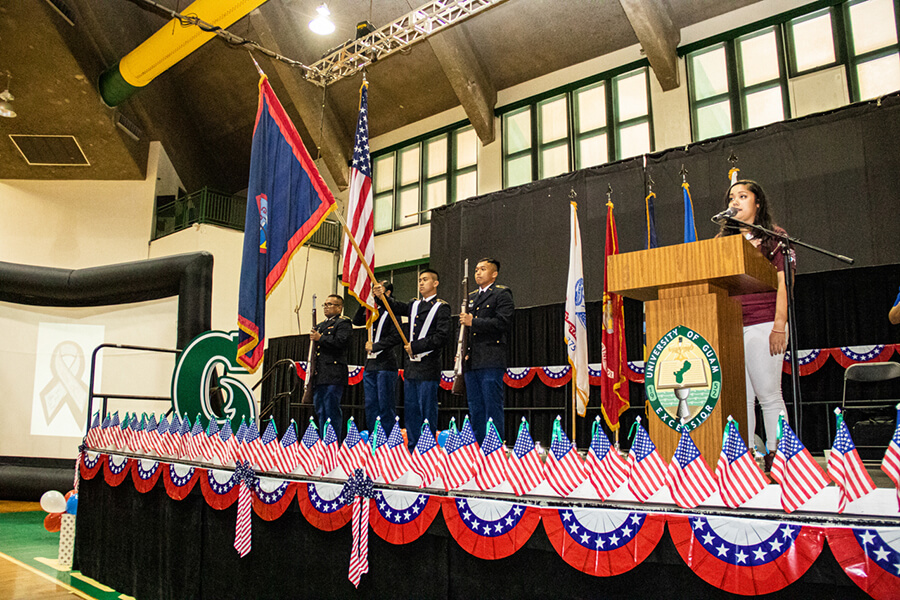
(763, 217)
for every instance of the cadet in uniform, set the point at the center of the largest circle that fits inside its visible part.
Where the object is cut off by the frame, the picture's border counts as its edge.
(332, 337)
(489, 318)
(380, 376)
(429, 329)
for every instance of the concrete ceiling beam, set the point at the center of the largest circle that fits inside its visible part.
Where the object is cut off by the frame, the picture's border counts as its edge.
(658, 37)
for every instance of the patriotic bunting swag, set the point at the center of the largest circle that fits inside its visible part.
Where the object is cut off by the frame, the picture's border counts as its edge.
(247, 481)
(359, 490)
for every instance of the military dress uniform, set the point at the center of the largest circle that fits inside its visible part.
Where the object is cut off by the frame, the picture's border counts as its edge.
(380, 375)
(492, 313)
(331, 371)
(421, 377)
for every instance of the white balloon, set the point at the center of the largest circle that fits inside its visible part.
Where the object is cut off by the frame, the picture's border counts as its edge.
(53, 502)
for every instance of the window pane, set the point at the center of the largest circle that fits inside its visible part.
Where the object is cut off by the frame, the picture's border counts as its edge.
(813, 42)
(409, 204)
(634, 140)
(710, 77)
(764, 107)
(466, 186)
(409, 165)
(554, 120)
(631, 96)
(518, 171)
(593, 151)
(759, 58)
(436, 193)
(384, 173)
(591, 105)
(713, 120)
(466, 148)
(878, 77)
(517, 131)
(873, 25)
(436, 153)
(384, 212)
(554, 161)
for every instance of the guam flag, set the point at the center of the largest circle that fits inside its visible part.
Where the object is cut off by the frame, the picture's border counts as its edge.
(287, 200)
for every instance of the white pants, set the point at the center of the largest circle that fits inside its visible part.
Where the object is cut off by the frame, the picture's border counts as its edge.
(763, 382)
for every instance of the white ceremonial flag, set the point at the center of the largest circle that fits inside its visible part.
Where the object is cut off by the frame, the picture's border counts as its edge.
(576, 320)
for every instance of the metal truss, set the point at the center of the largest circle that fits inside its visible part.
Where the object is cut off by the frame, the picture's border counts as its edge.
(414, 27)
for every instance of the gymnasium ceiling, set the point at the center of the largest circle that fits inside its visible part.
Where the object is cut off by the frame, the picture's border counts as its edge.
(203, 108)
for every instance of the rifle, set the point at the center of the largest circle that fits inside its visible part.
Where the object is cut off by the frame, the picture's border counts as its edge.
(310, 363)
(459, 382)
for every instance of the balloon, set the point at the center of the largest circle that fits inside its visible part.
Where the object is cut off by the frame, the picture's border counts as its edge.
(72, 505)
(53, 502)
(53, 521)
(69, 494)
(364, 435)
(443, 436)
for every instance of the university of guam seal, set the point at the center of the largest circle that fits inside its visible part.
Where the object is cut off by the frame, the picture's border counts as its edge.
(683, 370)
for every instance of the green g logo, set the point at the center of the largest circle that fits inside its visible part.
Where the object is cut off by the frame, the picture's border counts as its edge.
(196, 372)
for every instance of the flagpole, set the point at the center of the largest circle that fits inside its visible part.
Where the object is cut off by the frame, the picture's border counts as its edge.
(574, 407)
(365, 264)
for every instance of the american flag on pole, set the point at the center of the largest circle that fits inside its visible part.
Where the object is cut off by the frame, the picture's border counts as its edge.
(563, 469)
(162, 444)
(795, 469)
(646, 469)
(459, 464)
(252, 447)
(212, 442)
(116, 436)
(287, 452)
(311, 449)
(270, 448)
(103, 435)
(605, 468)
(576, 319)
(94, 432)
(240, 450)
(184, 437)
(330, 449)
(227, 447)
(390, 453)
(150, 434)
(196, 440)
(360, 214)
(427, 456)
(490, 468)
(525, 469)
(354, 452)
(846, 468)
(737, 474)
(687, 476)
(890, 464)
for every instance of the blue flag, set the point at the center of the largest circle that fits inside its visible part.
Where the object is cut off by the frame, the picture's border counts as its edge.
(651, 221)
(690, 230)
(287, 200)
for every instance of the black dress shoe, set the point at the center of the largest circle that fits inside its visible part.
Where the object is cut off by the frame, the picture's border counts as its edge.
(768, 459)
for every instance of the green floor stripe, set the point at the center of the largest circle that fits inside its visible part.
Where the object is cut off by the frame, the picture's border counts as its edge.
(23, 537)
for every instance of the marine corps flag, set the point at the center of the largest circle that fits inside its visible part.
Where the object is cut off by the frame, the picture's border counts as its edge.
(613, 385)
(286, 202)
(576, 320)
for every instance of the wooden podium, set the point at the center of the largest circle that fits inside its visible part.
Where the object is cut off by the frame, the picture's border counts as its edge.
(689, 285)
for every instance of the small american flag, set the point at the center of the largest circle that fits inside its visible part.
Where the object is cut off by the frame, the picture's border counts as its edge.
(354, 453)
(253, 447)
(891, 462)
(162, 437)
(116, 439)
(646, 469)
(287, 453)
(169, 441)
(197, 440)
(227, 449)
(490, 469)
(378, 440)
(605, 468)
(126, 433)
(392, 457)
(795, 469)
(94, 432)
(427, 456)
(459, 465)
(330, 450)
(311, 449)
(688, 477)
(184, 438)
(137, 434)
(737, 474)
(150, 435)
(240, 450)
(525, 469)
(212, 443)
(563, 469)
(103, 438)
(269, 448)
(846, 468)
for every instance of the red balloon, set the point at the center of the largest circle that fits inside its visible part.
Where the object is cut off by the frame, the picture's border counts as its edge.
(70, 494)
(52, 522)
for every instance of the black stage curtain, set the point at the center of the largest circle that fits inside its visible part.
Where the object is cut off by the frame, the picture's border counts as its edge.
(152, 547)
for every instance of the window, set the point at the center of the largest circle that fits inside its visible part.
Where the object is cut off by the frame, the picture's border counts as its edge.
(578, 128)
(812, 44)
(709, 92)
(762, 89)
(874, 58)
(422, 175)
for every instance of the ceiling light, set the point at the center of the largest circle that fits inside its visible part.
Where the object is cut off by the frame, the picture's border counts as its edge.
(322, 24)
(6, 107)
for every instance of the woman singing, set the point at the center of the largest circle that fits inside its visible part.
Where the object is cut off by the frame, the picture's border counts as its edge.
(765, 315)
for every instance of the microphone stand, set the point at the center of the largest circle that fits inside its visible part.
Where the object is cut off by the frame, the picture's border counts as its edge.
(784, 246)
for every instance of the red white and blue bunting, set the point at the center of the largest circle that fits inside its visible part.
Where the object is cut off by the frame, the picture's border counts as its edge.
(870, 556)
(490, 529)
(400, 517)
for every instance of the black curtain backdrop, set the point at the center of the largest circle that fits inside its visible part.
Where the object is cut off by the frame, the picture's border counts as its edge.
(152, 547)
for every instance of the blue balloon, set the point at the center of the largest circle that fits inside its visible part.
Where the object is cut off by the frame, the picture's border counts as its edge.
(72, 504)
(443, 436)
(364, 434)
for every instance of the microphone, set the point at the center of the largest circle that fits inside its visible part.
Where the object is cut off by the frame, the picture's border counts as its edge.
(724, 215)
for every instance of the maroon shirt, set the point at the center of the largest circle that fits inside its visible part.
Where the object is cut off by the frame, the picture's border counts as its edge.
(760, 308)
